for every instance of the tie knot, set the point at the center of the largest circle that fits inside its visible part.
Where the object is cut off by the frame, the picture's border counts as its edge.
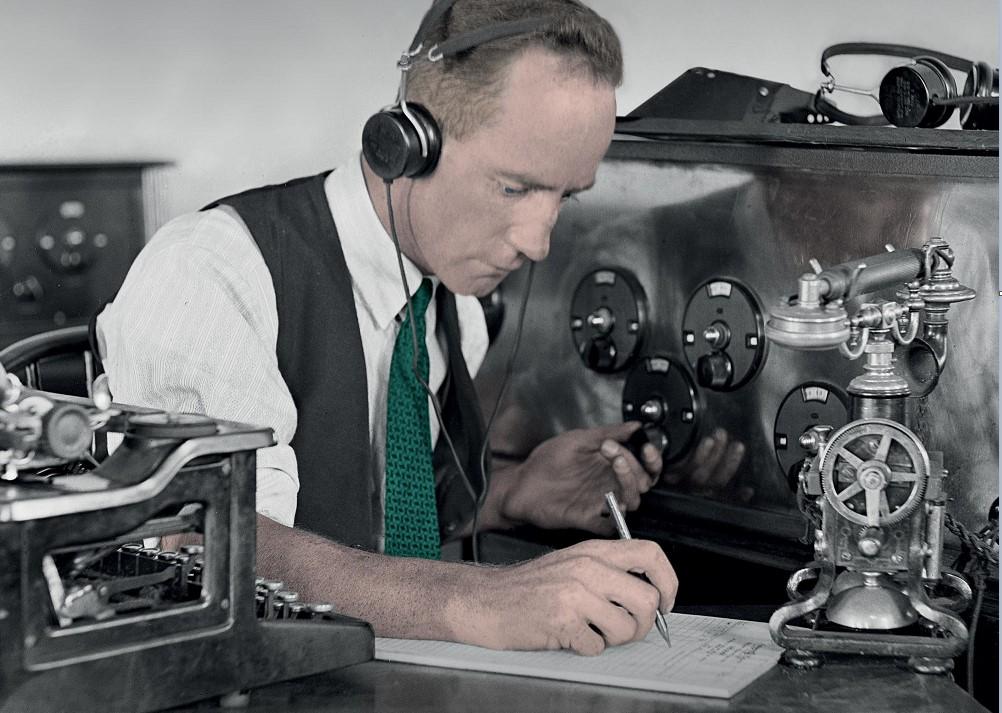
(421, 298)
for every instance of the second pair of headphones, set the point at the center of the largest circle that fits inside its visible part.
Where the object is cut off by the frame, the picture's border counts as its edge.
(920, 94)
(404, 140)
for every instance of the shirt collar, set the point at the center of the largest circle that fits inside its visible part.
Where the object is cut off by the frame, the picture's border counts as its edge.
(368, 248)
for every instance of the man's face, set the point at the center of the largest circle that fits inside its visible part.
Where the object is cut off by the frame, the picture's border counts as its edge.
(494, 197)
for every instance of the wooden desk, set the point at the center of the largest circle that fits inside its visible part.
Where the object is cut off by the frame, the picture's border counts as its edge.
(854, 685)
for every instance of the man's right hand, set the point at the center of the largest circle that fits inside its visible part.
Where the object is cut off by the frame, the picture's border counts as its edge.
(584, 598)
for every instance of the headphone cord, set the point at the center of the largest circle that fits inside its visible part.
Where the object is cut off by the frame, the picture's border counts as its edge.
(414, 341)
(494, 412)
(478, 500)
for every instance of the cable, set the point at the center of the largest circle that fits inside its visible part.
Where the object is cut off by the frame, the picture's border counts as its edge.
(494, 412)
(478, 500)
(979, 583)
(981, 551)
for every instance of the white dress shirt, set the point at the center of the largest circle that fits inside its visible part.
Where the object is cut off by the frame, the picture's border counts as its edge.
(195, 327)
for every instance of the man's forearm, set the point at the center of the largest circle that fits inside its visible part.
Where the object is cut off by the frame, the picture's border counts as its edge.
(400, 597)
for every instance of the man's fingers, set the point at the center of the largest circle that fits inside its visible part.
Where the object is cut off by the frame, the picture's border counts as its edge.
(633, 595)
(728, 466)
(616, 624)
(632, 482)
(641, 556)
(585, 597)
(588, 642)
(616, 431)
(708, 456)
(652, 461)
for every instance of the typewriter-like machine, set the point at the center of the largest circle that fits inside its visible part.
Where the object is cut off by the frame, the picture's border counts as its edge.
(876, 494)
(93, 620)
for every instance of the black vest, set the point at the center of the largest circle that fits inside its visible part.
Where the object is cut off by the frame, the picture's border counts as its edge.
(320, 357)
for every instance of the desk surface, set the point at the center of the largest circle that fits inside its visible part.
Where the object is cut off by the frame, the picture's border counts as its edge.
(855, 686)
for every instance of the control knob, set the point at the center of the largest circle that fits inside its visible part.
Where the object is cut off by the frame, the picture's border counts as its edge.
(714, 370)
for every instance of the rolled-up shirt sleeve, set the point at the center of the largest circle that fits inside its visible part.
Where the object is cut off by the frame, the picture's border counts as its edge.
(194, 329)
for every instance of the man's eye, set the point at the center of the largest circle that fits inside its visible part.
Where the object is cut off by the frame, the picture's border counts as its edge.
(513, 191)
(568, 197)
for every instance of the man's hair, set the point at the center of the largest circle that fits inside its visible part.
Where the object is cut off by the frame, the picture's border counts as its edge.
(462, 92)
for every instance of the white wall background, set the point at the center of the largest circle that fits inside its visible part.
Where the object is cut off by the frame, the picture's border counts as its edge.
(237, 93)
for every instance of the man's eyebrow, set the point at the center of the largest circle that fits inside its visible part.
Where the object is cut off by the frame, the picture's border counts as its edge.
(533, 185)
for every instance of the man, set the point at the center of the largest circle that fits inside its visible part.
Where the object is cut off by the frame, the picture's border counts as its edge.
(227, 314)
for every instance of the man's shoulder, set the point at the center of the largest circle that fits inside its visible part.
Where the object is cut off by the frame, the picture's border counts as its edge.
(217, 231)
(260, 195)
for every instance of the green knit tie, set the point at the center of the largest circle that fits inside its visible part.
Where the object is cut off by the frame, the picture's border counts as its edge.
(411, 515)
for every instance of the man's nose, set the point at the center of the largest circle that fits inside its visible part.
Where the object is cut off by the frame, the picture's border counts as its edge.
(533, 242)
(533, 239)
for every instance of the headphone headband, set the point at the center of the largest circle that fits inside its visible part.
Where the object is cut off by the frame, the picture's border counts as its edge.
(475, 38)
(468, 40)
(879, 48)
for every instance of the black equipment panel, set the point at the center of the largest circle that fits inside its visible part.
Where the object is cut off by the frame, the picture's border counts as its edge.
(68, 234)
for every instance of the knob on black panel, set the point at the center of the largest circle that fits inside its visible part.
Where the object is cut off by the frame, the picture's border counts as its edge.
(723, 334)
(660, 394)
(608, 319)
(66, 241)
(811, 404)
(715, 370)
(8, 244)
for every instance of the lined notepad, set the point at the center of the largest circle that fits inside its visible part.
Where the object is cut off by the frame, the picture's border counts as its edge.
(709, 656)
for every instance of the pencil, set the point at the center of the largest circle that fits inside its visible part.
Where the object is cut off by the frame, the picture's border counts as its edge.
(624, 534)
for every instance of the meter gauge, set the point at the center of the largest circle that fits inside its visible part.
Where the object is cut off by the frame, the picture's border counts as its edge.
(608, 319)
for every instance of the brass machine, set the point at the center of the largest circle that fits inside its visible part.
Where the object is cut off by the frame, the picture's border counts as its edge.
(875, 493)
(86, 603)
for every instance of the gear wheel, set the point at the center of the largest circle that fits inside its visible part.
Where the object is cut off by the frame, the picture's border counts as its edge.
(874, 472)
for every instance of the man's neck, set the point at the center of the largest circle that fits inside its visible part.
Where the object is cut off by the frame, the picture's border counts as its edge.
(377, 188)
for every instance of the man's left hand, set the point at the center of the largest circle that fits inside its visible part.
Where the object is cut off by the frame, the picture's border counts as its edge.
(563, 481)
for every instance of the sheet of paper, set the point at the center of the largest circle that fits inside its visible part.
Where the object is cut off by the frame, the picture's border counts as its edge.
(709, 656)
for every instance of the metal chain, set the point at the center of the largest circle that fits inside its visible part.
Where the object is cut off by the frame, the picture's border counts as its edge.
(984, 544)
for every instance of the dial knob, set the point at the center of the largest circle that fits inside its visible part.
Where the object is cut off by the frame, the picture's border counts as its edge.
(717, 335)
(602, 320)
(653, 410)
(599, 353)
(649, 433)
(714, 370)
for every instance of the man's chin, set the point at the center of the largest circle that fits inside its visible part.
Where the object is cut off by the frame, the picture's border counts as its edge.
(477, 287)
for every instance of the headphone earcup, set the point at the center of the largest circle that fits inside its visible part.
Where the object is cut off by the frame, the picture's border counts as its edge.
(906, 93)
(391, 142)
(982, 83)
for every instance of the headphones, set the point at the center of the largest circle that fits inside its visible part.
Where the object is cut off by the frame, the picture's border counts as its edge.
(920, 94)
(404, 140)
